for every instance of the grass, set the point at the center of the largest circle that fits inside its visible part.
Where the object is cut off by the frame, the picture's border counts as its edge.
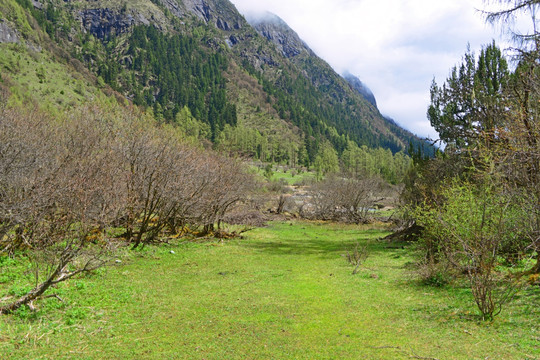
(284, 292)
(37, 77)
(10, 10)
(291, 179)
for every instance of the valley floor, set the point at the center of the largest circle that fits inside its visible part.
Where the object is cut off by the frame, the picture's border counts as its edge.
(283, 292)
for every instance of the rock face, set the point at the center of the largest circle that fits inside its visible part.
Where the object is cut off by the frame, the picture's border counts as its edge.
(104, 22)
(7, 34)
(37, 4)
(291, 46)
(360, 87)
(220, 13)
(280, 34)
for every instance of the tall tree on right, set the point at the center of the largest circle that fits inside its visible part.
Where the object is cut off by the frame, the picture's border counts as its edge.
(521, 155)
(468, 106)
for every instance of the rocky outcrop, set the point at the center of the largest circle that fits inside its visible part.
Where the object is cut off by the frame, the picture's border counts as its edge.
(7, 34)
(221, 13)
(37, 5)
(201, 9)
(291, 46)
(174, 8)
(360, 87)
(104, 22)
(280, 34)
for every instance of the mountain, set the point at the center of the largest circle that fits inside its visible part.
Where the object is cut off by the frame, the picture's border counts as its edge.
(286, 40)
(355, 119)
(360, 87)
(251, 86)
(415, 142)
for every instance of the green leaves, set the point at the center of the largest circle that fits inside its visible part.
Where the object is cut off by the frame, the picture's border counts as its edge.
(468, 105)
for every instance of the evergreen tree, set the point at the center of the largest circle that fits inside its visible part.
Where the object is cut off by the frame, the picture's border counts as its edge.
(468, 104)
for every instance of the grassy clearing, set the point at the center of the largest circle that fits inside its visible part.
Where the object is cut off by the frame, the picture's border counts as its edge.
(284, 292)
(34, 77)
(292, 177)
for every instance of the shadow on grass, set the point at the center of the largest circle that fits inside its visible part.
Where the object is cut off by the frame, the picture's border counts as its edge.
(306, 247)
(521, 313)
(327, 242)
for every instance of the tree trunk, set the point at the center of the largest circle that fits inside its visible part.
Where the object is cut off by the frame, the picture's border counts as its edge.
(281, 204)
(208, 229)
(38, 290)
(26, 299)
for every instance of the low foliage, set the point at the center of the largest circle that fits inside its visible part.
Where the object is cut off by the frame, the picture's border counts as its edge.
(472, 230)
(357, 256)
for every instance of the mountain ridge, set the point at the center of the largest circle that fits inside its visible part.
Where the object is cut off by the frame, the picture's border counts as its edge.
(295, 85)
(362, 88)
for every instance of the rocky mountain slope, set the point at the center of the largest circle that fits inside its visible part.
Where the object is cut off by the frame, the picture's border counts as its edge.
(362, 88)
(322, 76)
(233, 78)
(286, 40)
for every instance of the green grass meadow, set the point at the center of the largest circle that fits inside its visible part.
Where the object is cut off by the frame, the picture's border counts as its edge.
(293, 179)
(290, 177)
(283, 292)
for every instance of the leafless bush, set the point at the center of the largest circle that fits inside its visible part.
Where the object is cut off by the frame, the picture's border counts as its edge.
(306, 181)
(357, 256)
(278, 186)
(55, 191)
(349, 200)
(148, 166)
(63, 182)
(281, 203)
(246, 217)
(168, 184)
(227, 184)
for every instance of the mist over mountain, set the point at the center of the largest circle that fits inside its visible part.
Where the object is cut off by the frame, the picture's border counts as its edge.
(279, 33)
(362, 88)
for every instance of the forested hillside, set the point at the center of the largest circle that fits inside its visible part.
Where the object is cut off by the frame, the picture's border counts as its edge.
(196, 64)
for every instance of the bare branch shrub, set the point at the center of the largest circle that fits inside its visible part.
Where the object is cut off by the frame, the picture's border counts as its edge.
(169, 185)
(148, 164)
(64, 182)
(227, 184)
(349, 200)
(357, 256)
(56, 190)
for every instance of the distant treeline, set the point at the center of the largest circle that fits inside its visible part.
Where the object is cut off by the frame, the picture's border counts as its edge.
(354, 161)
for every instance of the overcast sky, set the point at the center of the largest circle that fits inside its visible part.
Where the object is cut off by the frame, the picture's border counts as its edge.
(395, 47)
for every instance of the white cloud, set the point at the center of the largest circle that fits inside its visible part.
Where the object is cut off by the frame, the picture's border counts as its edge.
(396, 47)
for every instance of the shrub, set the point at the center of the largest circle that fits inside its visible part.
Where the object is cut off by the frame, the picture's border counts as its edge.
(357, 256)
(349, 200)
(470, 229)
